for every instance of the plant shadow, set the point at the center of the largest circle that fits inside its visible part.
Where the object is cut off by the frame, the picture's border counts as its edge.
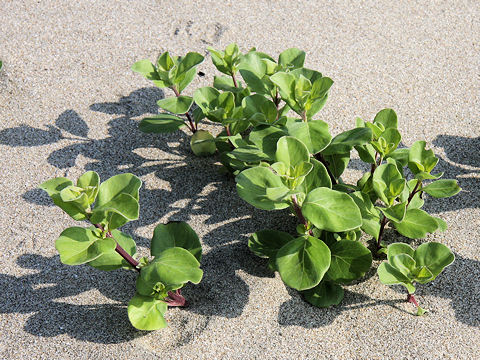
(191, 188)
(458, 283)
(44, 294)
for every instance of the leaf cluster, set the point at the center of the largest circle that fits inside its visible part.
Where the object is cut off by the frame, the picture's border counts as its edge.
(406, 266)
(282, 157)
(175, 247)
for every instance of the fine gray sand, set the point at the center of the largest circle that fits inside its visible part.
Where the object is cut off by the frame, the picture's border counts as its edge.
(70, 103)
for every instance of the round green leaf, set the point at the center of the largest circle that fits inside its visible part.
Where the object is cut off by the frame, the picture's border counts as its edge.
(316, 178)
(249, 153)
(388, 182)
(53, 187)
(386, 117)
(146, 313)
(337, 163)
(253, 186)
(442, 188)
(370, 215)
(113, 260)
(266, 243)
(78, 245)
(292, 58)
(118, 184)
(303, 262)
(286, 85)
(176, 105)
(403, 263)
(421, 160)
(175, 234)
(395, 212)
(266, 138)
(291, 151)
(324, 294)
(344, 142)
(434, 256)
(206, 98)
(398, 248)
(389, 275)
(350, 261)
(314, 134)
(172, 266)
(162, 123)
(253, 70)
(259, 104)
(331, 210)
(186, 63)
(117, 200)
(89, 182)
(416, 224)
(202, 143)
(146, 68)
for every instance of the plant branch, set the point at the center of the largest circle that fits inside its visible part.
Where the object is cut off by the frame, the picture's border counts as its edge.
(192, 126)
(304, 116)
(414, 191)
(320, 158)
(234, 80)
(374, 165)
(298, 212)
(380, 233)
(121, 251)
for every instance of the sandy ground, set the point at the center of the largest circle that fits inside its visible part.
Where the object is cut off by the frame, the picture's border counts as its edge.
(70, 103)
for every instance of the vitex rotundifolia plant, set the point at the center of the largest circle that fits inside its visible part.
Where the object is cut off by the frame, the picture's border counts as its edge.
(284, 158)
(175, 248)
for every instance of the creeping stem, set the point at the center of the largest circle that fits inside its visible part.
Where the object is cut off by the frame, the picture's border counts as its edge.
(192, 126)
(121, 251)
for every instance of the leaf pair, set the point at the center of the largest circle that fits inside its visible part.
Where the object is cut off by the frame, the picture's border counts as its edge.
(78, 246)
(305, 91)
(177, 253)
(116, 203)
(406, 266)
(74, 200)
(170, 71)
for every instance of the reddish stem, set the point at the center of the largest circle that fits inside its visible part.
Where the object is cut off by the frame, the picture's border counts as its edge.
(298, 213)
(234, 80)
(192, 126)
(175, 298)
(414, 191)
(121, 251)
(411, 299)
(380, 233)
(374, 165)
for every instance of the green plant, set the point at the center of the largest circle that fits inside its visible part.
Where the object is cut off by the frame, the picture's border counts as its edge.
(406, 266)
(284, 158)
(175, 248)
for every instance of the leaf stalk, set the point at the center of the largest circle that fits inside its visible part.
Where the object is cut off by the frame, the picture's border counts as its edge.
(192, 126)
